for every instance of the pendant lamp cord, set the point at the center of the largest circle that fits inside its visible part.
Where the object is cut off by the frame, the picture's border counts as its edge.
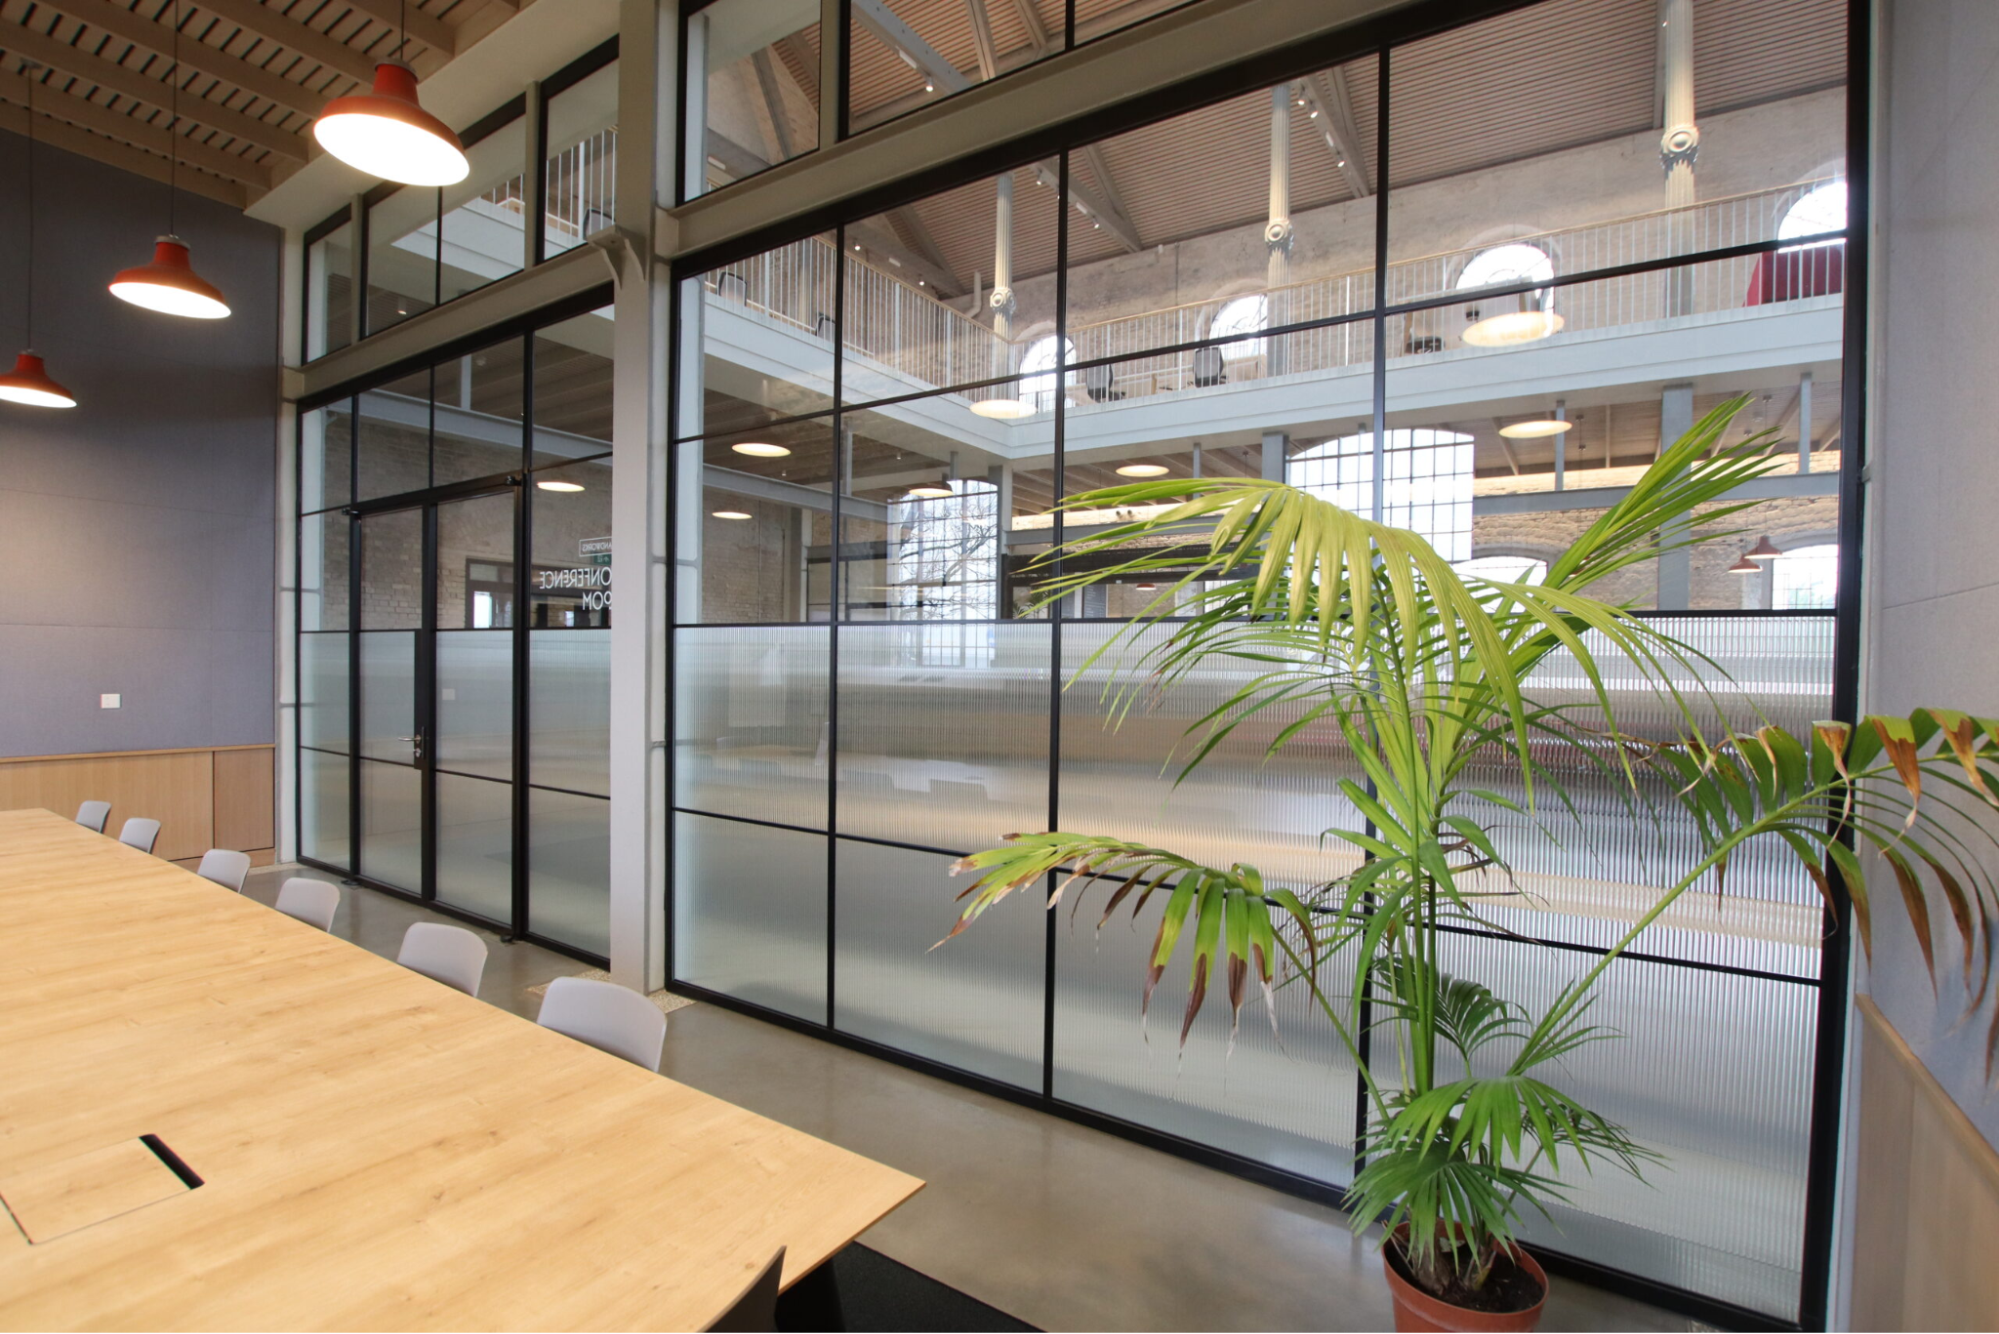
(402, 28)
(26, 66)
(173, 125)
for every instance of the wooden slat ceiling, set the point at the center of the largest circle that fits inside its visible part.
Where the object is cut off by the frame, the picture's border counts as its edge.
(252, 75)
(1535, 81)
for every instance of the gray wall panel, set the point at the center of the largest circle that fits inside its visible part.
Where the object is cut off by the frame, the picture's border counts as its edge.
(137, 529)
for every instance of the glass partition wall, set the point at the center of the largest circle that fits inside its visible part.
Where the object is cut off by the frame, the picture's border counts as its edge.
(1436, 292)
(454, 634)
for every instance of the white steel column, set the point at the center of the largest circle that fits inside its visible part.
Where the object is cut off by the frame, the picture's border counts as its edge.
(1001, 300)
(1680, 144)
(284, 658)
(1277, 231)
(646, 117)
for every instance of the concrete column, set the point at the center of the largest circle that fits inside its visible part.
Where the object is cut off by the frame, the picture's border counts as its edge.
(646, 124)
(1277, 231)
(1805, 422)
(1676, 418)
(1276, 453)
(1561, 445)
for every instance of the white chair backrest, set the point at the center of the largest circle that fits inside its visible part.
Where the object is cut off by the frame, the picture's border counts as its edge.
(448, 954)
(311, 901)
(606, 1016)
(756, 1309)
(93, 814)
(140, 833)
(224, 867)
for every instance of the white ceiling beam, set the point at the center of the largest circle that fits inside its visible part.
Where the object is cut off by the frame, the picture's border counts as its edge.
(152, 166)
(157, 36)
(55, 105)
(1030, 19)
(765, 71)
(909, 224)
(431, 32)
(1099, 209)
(887, 27)
(1093, 154)
(309, 43)
(794, 46)
(902, 259)
(113, 77)
(982, 38)
(1327, 94)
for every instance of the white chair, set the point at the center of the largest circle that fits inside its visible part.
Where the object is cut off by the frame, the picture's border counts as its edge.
(140, 833)
(448, 954)
(606, 1016)
(225, 868)
(756, 1309)
(311, 901)
(92, 815)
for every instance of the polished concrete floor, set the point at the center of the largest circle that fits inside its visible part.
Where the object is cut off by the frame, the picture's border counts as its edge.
(1062, 1226)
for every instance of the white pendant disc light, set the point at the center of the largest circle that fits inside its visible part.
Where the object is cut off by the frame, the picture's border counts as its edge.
(29, 383)
(559, 485)
(757, 449)
(1536, 429)
(1143, 470)
(1520, 326)
(169, 284)
(1003, 409)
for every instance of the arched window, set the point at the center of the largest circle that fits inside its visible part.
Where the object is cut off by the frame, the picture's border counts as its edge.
(1514, 262)
(1037, 388)
(1805, 577)
(1504, 569)
(1819, 210)
(1244, 314)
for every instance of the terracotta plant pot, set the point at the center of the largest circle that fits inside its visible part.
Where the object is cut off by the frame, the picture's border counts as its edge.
(1417, 1312)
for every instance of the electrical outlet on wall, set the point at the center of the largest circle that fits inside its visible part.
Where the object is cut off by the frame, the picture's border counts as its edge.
(110, 701)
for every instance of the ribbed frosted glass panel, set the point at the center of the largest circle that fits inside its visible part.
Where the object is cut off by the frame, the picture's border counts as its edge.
(1238, 806)
(1713, 1070)
(322, 692)
(324, 832)
(388, 694)
(975, 1003)
(944, 732)
(475, 702)
(749, 907)
(1584, 874)
(750, 722)
(392, 825)
(569, 709)
(1286, 1100)
(569, 869)
(475, 846)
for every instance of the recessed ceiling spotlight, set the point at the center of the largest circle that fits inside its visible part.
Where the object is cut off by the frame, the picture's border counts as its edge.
(1534, 430)
(756, 449)
(1143, 470)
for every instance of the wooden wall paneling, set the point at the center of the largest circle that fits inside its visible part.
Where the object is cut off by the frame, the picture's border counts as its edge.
(1926, 1200)
(174, 787)
(245, 798)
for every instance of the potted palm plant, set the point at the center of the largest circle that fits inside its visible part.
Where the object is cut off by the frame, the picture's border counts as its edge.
(1426, 675)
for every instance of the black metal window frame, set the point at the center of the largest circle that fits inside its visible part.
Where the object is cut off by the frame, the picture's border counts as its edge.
(519, 482)
(1372, 37)
(357, 213)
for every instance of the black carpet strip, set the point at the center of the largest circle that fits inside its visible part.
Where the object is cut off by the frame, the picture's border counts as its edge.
(863, 1290)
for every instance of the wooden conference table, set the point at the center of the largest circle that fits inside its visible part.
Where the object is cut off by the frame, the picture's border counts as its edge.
(375, 1149)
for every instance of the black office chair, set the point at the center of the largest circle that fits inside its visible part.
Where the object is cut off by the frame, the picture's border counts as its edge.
(1097, 383)
(1208, 370)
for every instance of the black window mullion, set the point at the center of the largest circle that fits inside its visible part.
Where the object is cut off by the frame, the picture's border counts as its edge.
(836, 615)
(523, 549)
(426, 703)
(1060, 491)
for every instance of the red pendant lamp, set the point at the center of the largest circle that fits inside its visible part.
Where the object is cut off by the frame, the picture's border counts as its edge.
(387, 133)
(169, 284)
(29, 383)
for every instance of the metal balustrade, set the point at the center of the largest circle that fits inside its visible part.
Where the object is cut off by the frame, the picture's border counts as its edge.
(903, 329)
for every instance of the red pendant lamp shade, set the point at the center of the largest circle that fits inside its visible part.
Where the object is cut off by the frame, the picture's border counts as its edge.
(30, 384)
(387, 133)
(170, 285)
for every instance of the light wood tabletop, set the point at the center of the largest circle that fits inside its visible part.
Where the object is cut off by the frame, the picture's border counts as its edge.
(375, 1150)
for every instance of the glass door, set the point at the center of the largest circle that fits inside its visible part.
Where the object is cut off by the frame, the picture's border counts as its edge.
(435, 673)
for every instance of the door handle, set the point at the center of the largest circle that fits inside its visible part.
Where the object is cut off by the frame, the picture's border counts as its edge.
(416, 747)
